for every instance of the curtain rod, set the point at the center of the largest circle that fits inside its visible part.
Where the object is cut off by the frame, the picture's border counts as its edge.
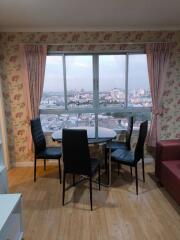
(75, 44)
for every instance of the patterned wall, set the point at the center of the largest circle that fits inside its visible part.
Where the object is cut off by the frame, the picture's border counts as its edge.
(12, 80)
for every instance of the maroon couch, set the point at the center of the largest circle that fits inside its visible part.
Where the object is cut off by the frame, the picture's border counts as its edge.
(167, 166)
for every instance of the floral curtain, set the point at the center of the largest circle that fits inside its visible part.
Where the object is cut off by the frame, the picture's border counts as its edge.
(34, 61)
(157, 60)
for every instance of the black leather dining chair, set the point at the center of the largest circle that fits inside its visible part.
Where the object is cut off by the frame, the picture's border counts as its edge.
(127, 157)
(76, 157)
(41, 150)
(114, 145)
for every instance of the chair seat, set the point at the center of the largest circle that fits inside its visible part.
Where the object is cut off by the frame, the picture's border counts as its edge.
(50, 153)
(123, 156)
(116, 145)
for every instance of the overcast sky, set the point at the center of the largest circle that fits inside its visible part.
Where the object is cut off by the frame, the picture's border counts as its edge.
(79, 72)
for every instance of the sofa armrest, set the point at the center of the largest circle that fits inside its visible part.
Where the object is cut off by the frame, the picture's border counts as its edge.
(166, 150)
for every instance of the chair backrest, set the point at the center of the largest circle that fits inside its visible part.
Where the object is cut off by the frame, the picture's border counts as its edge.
(37, 135)
(129, 132)
(139, 149)
(75, 149)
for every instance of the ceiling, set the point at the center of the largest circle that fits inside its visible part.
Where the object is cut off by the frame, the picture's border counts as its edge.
(60, 15)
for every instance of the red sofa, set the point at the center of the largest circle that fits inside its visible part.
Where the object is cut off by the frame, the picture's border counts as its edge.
(167, 166)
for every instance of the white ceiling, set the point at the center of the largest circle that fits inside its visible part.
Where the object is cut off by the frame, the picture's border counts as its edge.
(57, 15)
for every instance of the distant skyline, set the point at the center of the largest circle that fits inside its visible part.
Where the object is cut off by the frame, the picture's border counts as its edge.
(79, 73)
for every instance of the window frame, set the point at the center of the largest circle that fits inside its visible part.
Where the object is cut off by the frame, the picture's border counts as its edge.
(96, 108)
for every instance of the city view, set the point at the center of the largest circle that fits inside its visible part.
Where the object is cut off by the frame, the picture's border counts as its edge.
(79, 91)
(83, 100)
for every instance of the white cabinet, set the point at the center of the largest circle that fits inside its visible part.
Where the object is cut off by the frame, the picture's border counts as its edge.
(3, 172)
(4, 158)
(3, 180)
(11, 227)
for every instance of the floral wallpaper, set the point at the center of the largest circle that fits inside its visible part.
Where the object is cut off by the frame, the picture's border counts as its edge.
(12, 79)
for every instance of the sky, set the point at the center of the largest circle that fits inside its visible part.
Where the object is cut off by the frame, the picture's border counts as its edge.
(79, 72)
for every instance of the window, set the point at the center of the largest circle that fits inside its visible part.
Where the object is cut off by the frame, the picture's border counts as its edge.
(53, 122)
(53, 91)
(138, 82)
(95, 89)
(79, 80)
(115, 120)
(112, 80)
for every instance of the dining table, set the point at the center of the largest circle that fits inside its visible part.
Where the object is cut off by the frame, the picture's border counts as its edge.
(95, 136)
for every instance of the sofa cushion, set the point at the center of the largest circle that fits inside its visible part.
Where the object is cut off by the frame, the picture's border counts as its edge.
(170, 177)
(173, 166)
(167, 150)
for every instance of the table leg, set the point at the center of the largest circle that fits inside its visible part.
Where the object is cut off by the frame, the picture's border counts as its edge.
(108, 184)
(109, 180)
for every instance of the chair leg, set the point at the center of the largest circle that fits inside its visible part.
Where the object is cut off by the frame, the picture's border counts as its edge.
(64, 179)
(118, 167)
(143, 169)
(106, 162)
(74, 178)
(108, 169)
(34, 168)
(59, 164)
(99, 170)
(136, 173)
(44, 164)
(90, 185)
(131, 170)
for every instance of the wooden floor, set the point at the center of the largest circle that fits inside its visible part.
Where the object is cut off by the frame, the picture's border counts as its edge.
(118, 212)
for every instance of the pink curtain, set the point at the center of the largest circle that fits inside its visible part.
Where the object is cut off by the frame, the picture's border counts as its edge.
(34, 61)
(157, 60)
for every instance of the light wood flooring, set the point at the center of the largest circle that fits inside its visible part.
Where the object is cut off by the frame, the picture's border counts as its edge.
(118, 213)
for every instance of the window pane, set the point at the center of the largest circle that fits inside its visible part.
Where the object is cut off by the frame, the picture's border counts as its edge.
(86, 119)
(119, 120)
(138, 82)
(50, 122)
(140, 117)
(116, 121)
(54, 122)
(79, 75)
(53, 91)
(112, 80)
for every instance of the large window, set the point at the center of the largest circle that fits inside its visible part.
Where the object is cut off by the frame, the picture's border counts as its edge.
(94, 89)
